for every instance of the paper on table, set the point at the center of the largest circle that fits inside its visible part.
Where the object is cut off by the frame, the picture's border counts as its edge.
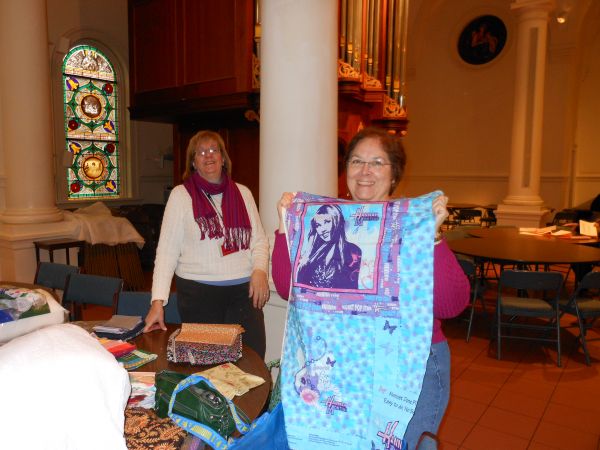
(588, 228)
(537, 231)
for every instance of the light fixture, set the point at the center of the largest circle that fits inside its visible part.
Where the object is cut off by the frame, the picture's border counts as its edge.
(561, 17)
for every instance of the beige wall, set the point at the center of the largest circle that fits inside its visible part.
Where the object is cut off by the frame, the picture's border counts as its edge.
(459, 134)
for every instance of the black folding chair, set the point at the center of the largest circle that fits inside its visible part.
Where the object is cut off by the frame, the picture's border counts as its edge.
(584, 304)
(525, 303)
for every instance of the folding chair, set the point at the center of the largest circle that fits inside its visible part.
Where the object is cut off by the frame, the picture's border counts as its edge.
(469, 216)
(133, 303)
(83, 289)
(54, 275)
(136, 303)
(470, 270)
(524, 304)
(171, 310)
(583, 305)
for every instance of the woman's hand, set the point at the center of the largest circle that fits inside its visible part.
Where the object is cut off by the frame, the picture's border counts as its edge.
(284, 203)
(440, 212)
(155, 319)
(259, 288)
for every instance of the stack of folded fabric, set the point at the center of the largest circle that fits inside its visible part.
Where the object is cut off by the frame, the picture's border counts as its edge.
(116, 346)
(200, 343)
(120, 327)
(126, 353)
(137, 358)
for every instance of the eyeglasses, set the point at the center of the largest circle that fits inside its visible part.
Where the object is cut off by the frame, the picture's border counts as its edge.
(375, 164)
(207, 151)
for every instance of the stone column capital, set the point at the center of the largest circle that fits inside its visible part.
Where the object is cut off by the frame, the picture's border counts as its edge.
(528, 7)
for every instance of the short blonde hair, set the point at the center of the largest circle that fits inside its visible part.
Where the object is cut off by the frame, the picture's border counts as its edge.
(195, 141)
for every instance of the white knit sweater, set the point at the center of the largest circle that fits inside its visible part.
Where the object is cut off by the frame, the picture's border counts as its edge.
(180, 249)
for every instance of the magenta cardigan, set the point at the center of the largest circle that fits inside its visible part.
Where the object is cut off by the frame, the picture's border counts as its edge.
(450, 285)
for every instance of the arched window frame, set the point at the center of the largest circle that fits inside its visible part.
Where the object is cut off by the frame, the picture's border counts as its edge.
(62, 158)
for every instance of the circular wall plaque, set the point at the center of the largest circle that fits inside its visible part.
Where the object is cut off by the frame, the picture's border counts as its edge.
(482, 40)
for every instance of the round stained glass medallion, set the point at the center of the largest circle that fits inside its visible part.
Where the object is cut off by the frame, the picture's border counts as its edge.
(75, 187)
(91, 106)
(73, 124)
(93, 167)
(110, 148)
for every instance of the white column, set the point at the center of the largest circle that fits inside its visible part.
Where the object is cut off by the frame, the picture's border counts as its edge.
(30, 211)
(298, 116)
(523, 205)
(26, 118)
(298, 101)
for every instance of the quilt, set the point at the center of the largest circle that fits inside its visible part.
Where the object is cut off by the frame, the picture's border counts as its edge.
(359, 323)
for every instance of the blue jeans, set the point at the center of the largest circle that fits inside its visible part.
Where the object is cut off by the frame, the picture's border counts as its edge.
(434, 397)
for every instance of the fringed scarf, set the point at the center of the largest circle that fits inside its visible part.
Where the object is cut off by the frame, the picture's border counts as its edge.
(234, 214)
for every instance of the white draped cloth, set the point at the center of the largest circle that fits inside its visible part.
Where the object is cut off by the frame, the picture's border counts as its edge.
(95, 224)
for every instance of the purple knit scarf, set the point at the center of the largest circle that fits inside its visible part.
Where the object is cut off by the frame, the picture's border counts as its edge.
(236, 223)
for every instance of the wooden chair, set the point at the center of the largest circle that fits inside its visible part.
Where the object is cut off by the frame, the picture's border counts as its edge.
(524, 304)
(83, 289)
(584, 304)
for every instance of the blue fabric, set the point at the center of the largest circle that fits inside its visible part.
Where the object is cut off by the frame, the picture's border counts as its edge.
(357, 340)
(434, 397)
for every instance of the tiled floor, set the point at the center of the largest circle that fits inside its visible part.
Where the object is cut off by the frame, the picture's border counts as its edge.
(523, 401)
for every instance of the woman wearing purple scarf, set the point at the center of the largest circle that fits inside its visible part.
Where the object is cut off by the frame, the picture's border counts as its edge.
(212, 240)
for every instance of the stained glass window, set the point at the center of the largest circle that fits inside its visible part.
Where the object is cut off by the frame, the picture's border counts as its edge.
(91, 124)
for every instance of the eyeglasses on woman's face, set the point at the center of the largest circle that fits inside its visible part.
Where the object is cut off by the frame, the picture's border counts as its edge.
(208, 151)
(376, 164)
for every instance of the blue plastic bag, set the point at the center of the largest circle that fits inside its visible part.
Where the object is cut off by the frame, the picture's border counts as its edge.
(268, 433)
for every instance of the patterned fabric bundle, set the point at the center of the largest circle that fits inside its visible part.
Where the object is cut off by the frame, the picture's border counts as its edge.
(20, 303)
(201, 344)
(359, 320)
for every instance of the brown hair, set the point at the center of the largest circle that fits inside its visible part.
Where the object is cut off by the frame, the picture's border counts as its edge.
(195, 141)
(390, 144)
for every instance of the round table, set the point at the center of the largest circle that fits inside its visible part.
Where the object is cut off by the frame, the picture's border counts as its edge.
(513, 233)
(522, 250)
(252, 402)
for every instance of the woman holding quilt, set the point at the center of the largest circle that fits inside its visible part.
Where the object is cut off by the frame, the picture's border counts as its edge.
(375, 163)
